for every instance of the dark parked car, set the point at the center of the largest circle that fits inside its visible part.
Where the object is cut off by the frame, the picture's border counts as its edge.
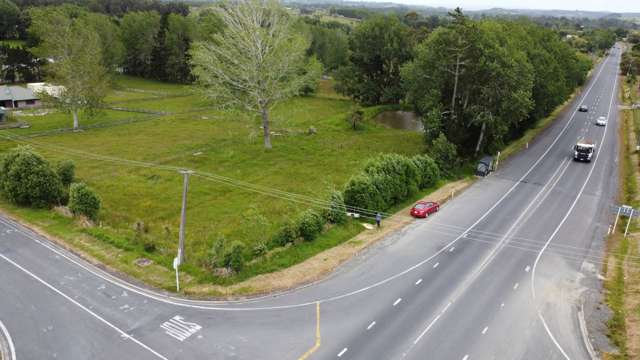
(485, 166)
(422, 209)
(583, 108)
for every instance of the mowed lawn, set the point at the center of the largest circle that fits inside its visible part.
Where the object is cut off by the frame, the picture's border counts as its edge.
(197, 136)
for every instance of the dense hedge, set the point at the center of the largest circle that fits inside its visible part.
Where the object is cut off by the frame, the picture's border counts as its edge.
(388, 180)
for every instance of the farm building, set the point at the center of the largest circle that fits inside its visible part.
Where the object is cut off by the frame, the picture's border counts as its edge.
(18, 97)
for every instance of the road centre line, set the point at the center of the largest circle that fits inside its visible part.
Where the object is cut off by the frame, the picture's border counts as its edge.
(557, 229)
(317, 343)
(553, 180)
(98, 317)
(224, 306)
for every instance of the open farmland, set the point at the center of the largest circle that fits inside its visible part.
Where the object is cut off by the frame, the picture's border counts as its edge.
(170, 125)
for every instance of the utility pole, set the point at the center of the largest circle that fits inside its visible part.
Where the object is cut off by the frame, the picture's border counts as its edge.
(183, 215)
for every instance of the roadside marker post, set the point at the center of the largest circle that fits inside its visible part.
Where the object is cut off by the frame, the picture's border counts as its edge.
(176, 264)
(626, 230)
(616, 221)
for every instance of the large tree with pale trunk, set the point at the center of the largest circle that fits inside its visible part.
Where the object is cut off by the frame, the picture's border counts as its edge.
(73, 49)
(256, 61)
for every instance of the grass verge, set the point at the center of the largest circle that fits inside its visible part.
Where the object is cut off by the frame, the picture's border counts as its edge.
(622, 268)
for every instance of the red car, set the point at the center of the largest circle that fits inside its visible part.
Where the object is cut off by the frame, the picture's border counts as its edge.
(422, 209)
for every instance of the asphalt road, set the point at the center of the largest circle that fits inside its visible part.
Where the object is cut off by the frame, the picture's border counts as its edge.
(496, 274)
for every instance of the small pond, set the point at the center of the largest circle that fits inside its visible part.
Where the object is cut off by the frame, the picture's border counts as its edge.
(405, 120)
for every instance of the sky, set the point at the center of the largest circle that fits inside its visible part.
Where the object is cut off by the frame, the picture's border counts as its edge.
(592, 5)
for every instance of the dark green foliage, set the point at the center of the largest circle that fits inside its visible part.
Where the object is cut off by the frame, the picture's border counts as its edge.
(361, 194)
(20, 65)
(444, 154)
(395, 176)
(9, 19)
(379, 46)
(139, 31)
(84, 201)
(329, 44)
(216, 252)
(483, 83)
(287, 234)
(234, 256)
(310, 225)
(387, 180)
(26, 178)
(66, 170)
(337, 212)
(428, 171)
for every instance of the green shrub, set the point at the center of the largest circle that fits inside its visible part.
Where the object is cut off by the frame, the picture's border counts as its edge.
(26, 178)
(398, 177)
(216, 252)
(445, 155)
(66, 172)
(234, 256)
(310, 225)
(337, 212)
(361, 193)
(428, 170)
(287, 234)
(84, 201)
(260, 249)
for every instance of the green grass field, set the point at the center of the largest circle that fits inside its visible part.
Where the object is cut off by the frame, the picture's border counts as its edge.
(195, 135)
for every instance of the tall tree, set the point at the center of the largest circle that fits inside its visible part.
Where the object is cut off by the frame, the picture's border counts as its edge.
(113, 50)
(379, 46)
(480, 79)
(9, 19)
(138, 31)
(178, 37)
(75, 60)
(257, 61)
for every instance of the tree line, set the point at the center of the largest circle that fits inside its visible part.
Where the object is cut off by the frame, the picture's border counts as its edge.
(477, 83)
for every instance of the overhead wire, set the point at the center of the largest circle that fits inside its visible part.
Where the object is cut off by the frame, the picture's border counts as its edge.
(566, 251)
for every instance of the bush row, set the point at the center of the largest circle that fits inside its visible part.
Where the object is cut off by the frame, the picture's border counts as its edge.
(28, 179)
(388, 180)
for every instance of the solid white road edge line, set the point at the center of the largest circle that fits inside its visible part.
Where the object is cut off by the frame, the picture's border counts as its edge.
(546, 189)
(7, 336)
(54, 289)
(557, 229)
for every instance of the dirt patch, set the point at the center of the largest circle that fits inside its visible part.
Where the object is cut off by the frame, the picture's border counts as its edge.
(320, 265)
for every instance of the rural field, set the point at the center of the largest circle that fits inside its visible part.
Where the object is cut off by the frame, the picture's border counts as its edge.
(171, 126)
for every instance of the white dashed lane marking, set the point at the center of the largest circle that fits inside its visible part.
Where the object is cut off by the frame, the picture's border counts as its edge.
(373, 323)
(342, 352)
(397, 301)
(418, 282)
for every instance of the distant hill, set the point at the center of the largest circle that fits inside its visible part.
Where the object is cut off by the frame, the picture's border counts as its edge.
(488, 12)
